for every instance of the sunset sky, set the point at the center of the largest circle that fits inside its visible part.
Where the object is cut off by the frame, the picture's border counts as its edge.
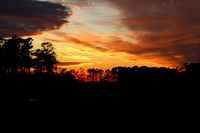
(108, 33)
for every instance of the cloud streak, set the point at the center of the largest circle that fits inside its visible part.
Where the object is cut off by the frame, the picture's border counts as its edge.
(72, 64)
(69, 63)
(167, 31)
(86, 40)
(31, 17)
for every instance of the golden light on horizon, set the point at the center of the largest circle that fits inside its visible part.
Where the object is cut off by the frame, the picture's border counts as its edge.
(115, 33)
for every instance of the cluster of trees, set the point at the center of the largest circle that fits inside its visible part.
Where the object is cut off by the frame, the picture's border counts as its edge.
(92, 74)
(146, 73)
(124, 74)
(136, 74)
(100, 75)
(17, 56)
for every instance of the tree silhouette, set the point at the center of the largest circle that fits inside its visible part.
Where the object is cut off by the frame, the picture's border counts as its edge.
(45, 59)
(17, 59)
(15, 54)
(10, 54)
(100, 73)
(107, 76)
(93, 73)
(1, 41)
(1, 55)
(191, 72)
(81, 76)
(25, 55)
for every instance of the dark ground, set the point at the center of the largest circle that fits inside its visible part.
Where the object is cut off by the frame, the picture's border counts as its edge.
(43, 104)
(77, 94)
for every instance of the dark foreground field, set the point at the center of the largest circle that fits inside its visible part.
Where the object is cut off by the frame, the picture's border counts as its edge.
(42, 101)
(96, 94)
(135, 86)
(32, 78)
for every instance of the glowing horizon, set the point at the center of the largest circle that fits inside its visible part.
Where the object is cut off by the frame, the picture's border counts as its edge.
(110, 33)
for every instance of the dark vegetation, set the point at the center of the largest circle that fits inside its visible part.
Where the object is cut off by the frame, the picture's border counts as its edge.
(34, 74)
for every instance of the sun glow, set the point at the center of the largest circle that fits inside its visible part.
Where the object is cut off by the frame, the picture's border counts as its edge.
(99, 32)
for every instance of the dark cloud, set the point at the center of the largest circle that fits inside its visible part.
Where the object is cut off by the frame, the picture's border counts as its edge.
(31, 17)
(69, 63)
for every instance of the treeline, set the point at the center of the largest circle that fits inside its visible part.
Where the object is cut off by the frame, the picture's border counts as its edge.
(91, 75)
(19, 61)
(140, 75)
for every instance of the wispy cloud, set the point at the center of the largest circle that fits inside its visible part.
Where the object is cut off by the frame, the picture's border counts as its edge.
(167, 31)
(73, 56)
(68, 63)
(86, 40)
(73, 64)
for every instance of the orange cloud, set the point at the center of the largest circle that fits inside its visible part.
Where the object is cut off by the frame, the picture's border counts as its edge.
(86, 40)
(74, 6)
(60, 64)
(79, 18)
(73, 64)
(167, 31)
(72, 56)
